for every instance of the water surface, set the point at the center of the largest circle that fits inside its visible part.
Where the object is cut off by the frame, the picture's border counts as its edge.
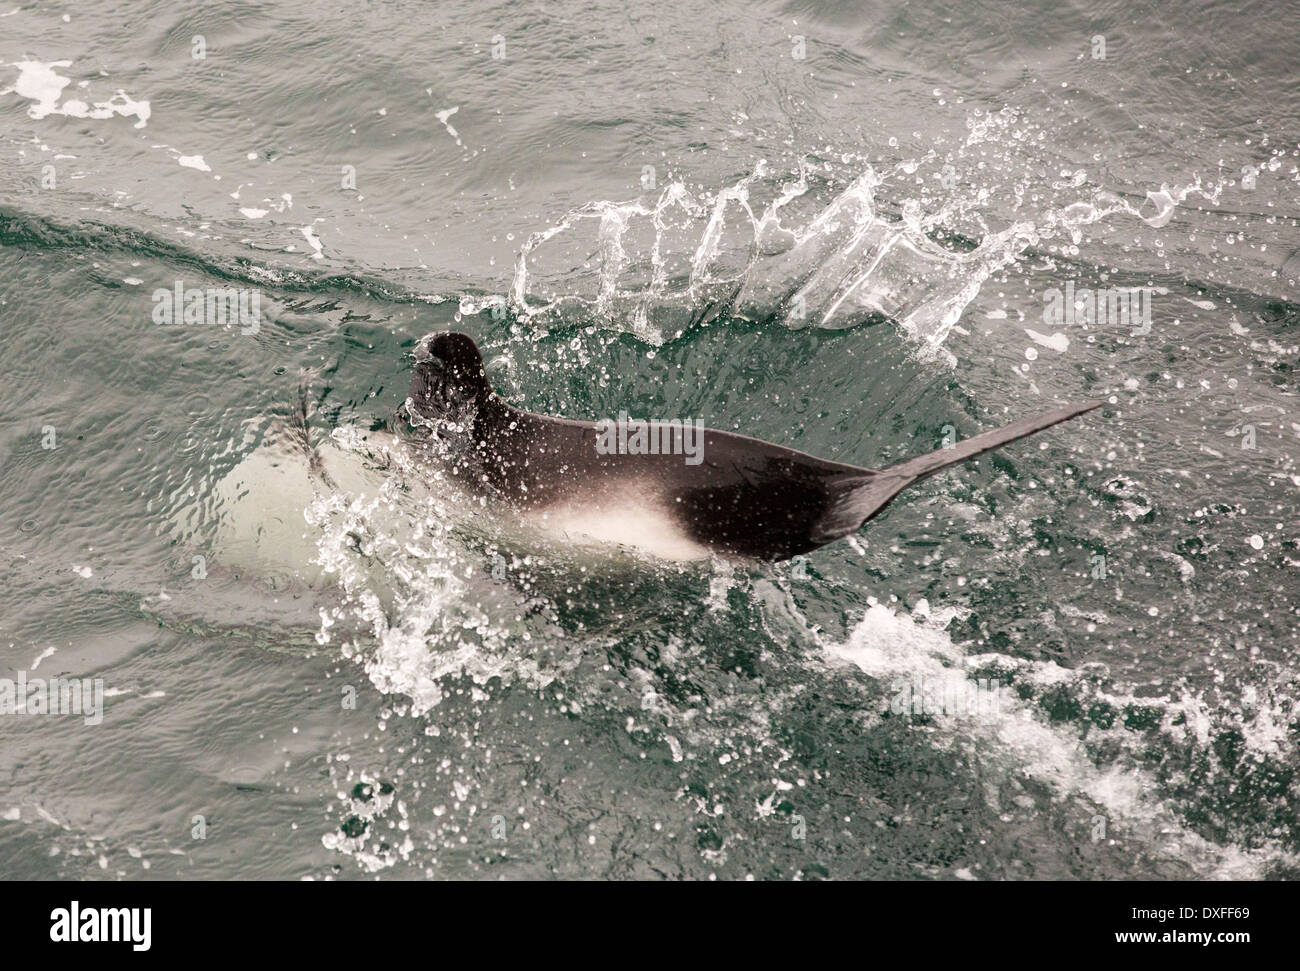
(833, 226)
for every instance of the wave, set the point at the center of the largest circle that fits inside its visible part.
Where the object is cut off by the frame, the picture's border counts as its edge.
(44, 233)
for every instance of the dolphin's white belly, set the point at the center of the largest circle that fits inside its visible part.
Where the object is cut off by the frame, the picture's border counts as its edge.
(621, 520)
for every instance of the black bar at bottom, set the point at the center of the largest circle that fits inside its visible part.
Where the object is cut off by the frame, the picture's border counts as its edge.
(302, 919)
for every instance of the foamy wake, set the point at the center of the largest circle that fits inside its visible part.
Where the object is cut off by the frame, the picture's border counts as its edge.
(898, 648)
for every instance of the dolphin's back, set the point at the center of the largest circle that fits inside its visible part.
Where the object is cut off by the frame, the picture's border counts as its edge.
(743, 497)
(738, 496)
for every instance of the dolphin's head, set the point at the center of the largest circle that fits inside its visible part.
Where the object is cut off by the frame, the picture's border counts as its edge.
(448, 382)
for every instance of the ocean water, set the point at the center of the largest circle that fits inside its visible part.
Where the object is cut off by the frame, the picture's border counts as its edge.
(844, 227)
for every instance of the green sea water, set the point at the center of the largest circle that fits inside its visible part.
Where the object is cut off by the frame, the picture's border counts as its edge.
(833, 226)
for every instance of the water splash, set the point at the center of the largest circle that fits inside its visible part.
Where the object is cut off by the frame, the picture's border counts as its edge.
(796, 250)
(663, 267)
(404, 559)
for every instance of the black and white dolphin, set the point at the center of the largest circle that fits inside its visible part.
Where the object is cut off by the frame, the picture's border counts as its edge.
(725, 494)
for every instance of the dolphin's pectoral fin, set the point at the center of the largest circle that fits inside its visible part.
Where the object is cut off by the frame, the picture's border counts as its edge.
(300, 430)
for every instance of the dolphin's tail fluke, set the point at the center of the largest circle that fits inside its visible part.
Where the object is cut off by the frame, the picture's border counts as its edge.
(860, 499)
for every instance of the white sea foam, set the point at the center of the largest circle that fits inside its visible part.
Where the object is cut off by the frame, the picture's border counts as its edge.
(40, 83)
(1057, 342)
(309, 233)
(846, 265)
(444, 116)
(889, 645)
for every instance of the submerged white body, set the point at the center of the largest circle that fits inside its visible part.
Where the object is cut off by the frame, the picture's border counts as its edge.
(261, 504)
(261, 507)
